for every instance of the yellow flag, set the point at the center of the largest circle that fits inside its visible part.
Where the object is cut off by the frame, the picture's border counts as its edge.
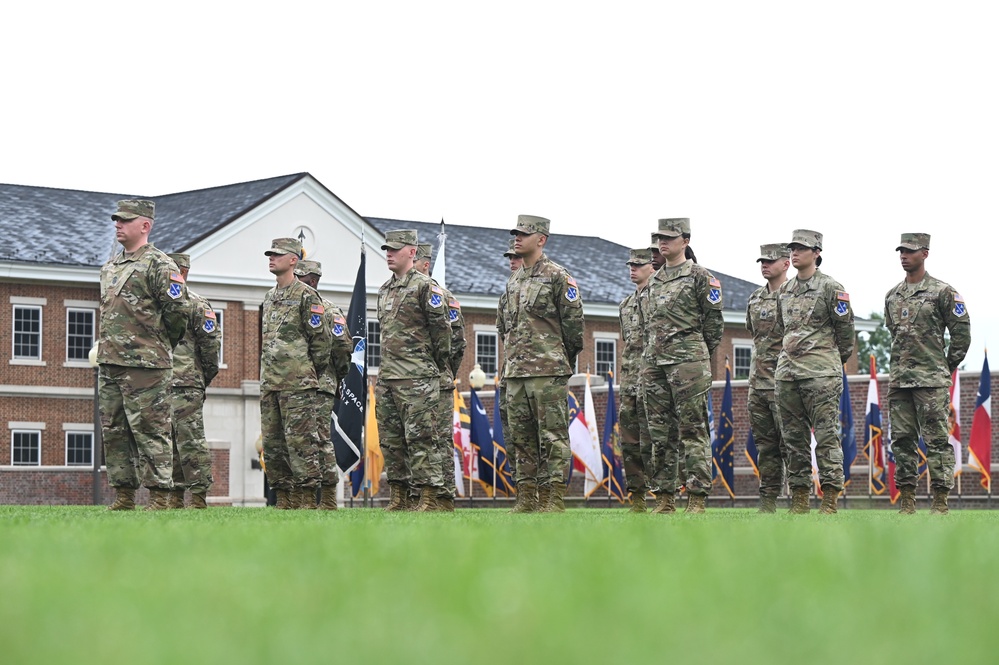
(373, 460)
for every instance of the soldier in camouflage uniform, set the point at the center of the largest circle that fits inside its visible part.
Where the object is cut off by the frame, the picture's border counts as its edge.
(682, 314)
(309, 273)
(917, 312)
(416, 346)
(195, 364)
(636, 445)
(144, 313)
(657, 257)
(815, 314)
(764, 417)
(515, 263)
(295, 351)
(543, 324)
(445, 413)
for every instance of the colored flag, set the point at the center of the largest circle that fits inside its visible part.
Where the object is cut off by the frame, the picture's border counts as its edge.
(955, 421)
(374, 462)
(873, 442)
(507, 482)
(585, 450)
(752, 454)
(440, 268)
(711, 426)
(848, 436)
(923, 465)
(465, 463)
(980, 443)
(612, 464)
(590, 416)
(481, 438)
(893, 491)
(723, 447)
(815, 466)
(348, 420)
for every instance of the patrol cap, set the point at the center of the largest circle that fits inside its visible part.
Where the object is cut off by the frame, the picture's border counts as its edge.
(639, 257)
(400, 238)
(654, 247)
(914, 241)
(773, 251)
(182, 260)
(281, 246)
(131, 208)
(530, 224)
(806, 238)
(671, 228)
(509, 253)
(304, 267)
(424, 251)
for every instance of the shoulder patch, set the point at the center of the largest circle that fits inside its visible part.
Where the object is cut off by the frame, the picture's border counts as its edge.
(714, 282)
(339, 325)
(842, 303)
(714, 291)
(317, 309)
(436, 289)
(176, 277)
(210, 323)
(209, 313)
(571, 290)
(959, 308)
(843, 295)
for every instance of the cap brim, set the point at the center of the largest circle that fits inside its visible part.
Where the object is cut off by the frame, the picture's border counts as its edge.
(510, 255)
(271, 252)
(637, 263)
(124, 215)
(909, 247)
(393, 245)
(666, 235)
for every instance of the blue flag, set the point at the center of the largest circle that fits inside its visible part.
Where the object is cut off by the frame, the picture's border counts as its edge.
(481, 438)
(752, 453)
(348, 421)
(722, 449)
(613, 473)
(848, 435)
(506, 479)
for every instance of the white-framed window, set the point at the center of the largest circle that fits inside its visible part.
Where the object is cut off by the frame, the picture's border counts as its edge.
(79, 333)
(27, 333)
(26, 447)
(220, 331)
(605, 353)
(487, 352)
(742, 358)
(79, 448)
(374, 344)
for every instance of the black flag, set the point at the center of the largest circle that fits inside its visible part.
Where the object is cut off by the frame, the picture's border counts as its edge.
(348, 421)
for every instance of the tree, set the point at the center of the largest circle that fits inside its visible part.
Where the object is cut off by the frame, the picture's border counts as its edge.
(877, 343)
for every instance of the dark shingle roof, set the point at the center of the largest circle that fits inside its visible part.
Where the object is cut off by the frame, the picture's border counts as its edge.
(475, 262)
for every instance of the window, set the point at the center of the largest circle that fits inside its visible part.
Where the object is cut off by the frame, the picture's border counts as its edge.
(28, 332)
(79, 449)
(606, 356)
(743, 358)
(487, 352)
(79, 333)
(374, 342)
(219, 315)
(26, 448)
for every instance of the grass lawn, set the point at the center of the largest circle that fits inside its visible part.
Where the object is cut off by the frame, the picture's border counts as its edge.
(228, 585)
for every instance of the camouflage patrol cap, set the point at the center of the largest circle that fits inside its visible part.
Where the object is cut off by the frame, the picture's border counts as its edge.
(806, 238)
(773, 251)
(285, 246)
(530, 225)
(424, 251)
(639, 257)
(129, 209)
(509, 253)
(182, 260)
(914, 241)
(671, 228)
(654, 247)
(305, 267)
(400, 238)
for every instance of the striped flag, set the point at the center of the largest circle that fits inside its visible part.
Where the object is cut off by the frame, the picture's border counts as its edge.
(980, 443)
(873, 443)
(722, 448)
(752, 454)
(955, 421)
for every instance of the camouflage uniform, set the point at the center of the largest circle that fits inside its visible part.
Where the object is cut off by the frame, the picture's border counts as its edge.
(143, 315)
(416, 346)
(919, 378)
(295, 350)
(636, 444)
(682, 313)
(764, 416)
(819, 335)
(543, 320)
(502, 330)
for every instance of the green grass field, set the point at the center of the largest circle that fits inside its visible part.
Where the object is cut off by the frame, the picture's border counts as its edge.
(81, 585)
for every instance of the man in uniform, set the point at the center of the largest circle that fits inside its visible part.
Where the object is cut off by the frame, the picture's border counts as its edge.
(917, 312)
(309, 272)
(815, 316)
(295, 350)
(144, 313)
(636, 446)
(764, 417)
(195, 364)
(515, 263)
(416, 347)
(543, 319)
(657, 257)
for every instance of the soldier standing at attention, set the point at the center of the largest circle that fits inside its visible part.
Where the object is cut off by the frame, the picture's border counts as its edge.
(195, 364)
(445, 413)
(543, 318)
(295, 350)
(515, 263)
(917, 312)
(815, 315)
(144, 313)
(309, 272)
(764, 417)
(657, 257)
(636, 446)
(682, 313)
(416, 346)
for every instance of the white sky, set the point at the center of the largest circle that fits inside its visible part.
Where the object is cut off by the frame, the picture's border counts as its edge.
(858, 119)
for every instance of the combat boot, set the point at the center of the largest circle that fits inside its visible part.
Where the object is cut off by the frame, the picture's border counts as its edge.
(176, 499)
(666, 505)
(544, 498)
(306, 498)
(398, 497)
(768, 504)
(158, 499)
(199, 501)
(799, 501)
(124, 499)
(939, 505)
(328, 500)
(638, 503)
(283, 499)
(445, 504)
(907, 501)
(556, 502)
(527, 498)
(428, 500)
(695, 503)
(830, 496)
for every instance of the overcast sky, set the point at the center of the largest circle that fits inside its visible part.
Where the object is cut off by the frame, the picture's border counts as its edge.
(858, 119)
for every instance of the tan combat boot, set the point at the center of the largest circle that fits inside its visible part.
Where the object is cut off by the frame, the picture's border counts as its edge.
(638, 504)
(445, 504)
(830, 496)
(939, 505)
(328, 499)
(124, 499)
(306, 498)
(398, 498)
(199, 501)
(768, 504)
(294, 498)
(556, 501)
(176, 499)
(527, 498)
(428, 500)
(544, 498)
(907, 501)
(283, 499)
(799, 501)
(666, 505)
(158, 499)
(695, 503)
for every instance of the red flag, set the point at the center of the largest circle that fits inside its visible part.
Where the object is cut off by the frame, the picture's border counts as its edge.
(980, 443)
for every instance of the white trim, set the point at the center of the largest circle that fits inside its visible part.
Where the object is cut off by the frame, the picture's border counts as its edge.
(26, 430)
(77, 364)
(65, 448)
(18, 424)
(27, 300)
(93, 332)
(606, 334)
(28, 362)
(484, 327)
(496, 358)
(81, 304)
(41, 332)
(55, 392)
(252, 306)
(220, 306)
(78, 427)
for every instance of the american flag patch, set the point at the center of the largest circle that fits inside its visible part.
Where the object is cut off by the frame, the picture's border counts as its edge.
(339, 320)
(571, 281)
(715, 283)
(436, 289)
(453, 304)
(209, 314)
(317, 309)
(843, 295)
(176, 277)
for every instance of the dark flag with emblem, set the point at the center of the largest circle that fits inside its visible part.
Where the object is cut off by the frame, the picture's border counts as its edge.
(848, 436)
(722, 448)
(610, 447)
(348, 421)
